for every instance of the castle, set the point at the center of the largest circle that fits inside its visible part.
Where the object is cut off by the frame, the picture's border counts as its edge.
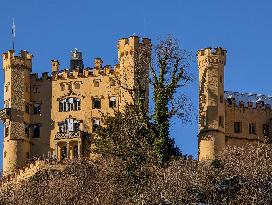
(56, 115)
(227, 118)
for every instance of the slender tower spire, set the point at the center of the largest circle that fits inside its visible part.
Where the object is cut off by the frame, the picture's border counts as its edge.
(13, 34)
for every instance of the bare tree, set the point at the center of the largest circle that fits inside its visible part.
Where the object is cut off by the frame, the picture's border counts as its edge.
(169, 72)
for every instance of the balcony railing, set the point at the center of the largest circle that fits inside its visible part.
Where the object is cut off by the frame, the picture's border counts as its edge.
(68, 135)
(5, 114)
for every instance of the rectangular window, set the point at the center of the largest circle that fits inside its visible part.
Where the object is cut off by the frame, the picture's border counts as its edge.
(76, 104)
(221, 121)
(26, 108)
(26, 87)
(62, 86)
(96, 103)
(237, 127)
(77, 85)
(26, 130)
(265, 129)
(37, 109)
(36, 130)
(62, 127)
(112, 82)
(96, 83)
(76, 126)
(96, 123)
(61, 106)
(221, 79)
(252, 128)
(27, 155)
(112, 102)
(69, 104)
(6, 130)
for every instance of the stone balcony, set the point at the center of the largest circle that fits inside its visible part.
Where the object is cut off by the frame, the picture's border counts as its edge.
(69, 135)
(5, 114)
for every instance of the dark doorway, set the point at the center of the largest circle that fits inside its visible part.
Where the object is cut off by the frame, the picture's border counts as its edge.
(63, 152)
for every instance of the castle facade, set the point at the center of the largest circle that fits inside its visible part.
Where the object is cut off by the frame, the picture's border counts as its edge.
(57, 114)
(227, 118)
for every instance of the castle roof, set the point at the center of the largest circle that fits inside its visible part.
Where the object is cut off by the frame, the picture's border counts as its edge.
(248, 97)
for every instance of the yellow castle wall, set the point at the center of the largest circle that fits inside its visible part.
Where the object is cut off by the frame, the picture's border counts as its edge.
(213, 137)
(27, 89)
(246, 114)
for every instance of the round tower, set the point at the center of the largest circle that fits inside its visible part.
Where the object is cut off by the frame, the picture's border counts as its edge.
(15, 114)
(211, 139)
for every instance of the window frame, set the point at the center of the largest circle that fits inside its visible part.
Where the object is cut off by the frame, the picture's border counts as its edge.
(252, 128)
(95, 124)
(36, 109)
(77, 85)
(265, 129)
(221, 121)
(98, 100)
(6, 130)
(70, 104)
(36, 129)
(26, 108)
(113, 103)
(96, 83)
(237, 126)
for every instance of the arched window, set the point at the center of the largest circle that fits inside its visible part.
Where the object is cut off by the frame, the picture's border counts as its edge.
(63, 152)
(69, 104)
(75, 151)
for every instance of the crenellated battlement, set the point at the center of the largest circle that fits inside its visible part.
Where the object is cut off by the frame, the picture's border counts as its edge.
(127, 46)
(106, 70)
(23, 60)
(211, 56)
(218, 51)
(44, 77)
(248, 100)
(250, 106)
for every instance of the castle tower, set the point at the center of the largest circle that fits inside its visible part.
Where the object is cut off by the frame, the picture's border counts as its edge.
(134, 59)
(211, 102)
(15, 115)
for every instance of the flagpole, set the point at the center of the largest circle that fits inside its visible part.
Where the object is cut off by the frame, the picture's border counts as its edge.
(13, 34)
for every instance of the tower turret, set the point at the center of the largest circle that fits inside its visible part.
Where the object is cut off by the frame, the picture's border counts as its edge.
(15, 115)
(134, 57)
(76, 61)
(211, 64)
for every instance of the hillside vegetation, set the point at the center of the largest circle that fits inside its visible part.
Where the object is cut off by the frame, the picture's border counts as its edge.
(243, 179)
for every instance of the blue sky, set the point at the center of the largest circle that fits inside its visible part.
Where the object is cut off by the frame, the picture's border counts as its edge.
(51, 29)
